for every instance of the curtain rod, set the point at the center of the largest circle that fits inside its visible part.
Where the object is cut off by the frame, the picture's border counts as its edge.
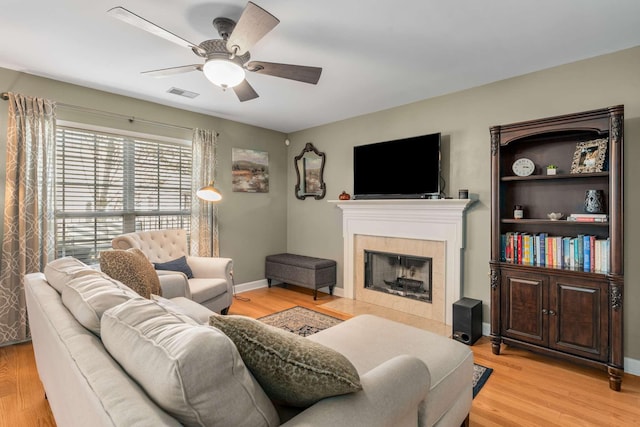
(131, 119)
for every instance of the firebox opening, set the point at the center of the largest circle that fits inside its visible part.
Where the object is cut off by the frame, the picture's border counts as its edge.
(403, 275)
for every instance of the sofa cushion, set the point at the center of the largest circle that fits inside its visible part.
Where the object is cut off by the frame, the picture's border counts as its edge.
(60, 271)
(131, 267)
(88, 297)
(182, 305)
(291, 369)
(192, 371)
(179, 264)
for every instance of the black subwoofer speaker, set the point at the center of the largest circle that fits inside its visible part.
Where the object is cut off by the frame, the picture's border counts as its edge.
(467, 320)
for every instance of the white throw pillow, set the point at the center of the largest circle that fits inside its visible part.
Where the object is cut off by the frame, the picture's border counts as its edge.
(60, 271)
(192, 371)
(88, 297)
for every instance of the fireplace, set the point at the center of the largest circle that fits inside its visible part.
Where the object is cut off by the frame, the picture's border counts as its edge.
(398, 274)
(425, 228)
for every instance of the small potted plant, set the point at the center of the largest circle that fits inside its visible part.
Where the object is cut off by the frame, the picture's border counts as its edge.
(552, 169)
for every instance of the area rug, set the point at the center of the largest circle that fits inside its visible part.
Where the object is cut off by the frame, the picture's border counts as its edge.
(303, 321)
(480, 376)
(300, 321)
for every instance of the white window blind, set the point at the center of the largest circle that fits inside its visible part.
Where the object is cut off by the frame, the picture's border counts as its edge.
(109, 184)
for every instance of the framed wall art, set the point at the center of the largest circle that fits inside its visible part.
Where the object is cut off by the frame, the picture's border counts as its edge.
(590, 156)
(250, 171)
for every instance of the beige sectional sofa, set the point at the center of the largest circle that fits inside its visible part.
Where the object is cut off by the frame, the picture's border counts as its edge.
(107, 357)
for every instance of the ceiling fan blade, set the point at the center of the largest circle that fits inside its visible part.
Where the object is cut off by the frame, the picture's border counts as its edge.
(253, 24)
(245, 92)
(300, 73)
(165, 72)
(137, 21)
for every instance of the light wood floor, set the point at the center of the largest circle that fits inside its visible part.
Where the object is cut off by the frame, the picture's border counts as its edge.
(524, 389)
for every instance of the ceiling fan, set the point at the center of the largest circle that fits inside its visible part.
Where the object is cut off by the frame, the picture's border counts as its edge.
(227, 59)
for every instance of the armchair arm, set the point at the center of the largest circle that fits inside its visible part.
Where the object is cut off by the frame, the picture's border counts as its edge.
(174, 284)
(390, 395)
(214, 267)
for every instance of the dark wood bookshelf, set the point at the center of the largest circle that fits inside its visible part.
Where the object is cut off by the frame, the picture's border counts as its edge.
(563, 312)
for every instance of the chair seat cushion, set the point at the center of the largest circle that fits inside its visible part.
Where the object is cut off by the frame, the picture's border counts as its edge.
(206, 288)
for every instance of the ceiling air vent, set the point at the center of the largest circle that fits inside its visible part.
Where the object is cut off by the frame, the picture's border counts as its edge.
(182, 92)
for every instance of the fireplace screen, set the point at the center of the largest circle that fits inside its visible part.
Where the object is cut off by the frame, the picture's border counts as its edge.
(404, 275)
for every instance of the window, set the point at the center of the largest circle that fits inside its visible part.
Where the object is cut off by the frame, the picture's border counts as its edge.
(108, 184)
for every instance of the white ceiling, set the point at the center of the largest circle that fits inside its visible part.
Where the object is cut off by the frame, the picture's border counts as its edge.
(374, 54)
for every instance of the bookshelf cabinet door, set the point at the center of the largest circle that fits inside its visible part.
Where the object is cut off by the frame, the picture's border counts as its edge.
(523, 305)
(579, 319)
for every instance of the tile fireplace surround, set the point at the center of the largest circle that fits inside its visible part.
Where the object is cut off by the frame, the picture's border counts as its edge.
(431, 221)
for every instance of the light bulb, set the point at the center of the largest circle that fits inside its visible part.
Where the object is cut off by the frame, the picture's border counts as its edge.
(223, 73)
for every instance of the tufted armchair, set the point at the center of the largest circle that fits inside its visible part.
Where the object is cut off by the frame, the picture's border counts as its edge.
(211, 285)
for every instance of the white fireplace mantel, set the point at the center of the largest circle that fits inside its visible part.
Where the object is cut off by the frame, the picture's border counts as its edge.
(438, 220)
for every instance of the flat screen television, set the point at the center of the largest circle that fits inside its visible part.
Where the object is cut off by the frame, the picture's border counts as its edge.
(407, 168)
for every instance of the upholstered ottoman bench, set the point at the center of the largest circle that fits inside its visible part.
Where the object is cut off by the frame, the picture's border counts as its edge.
(301, 270)
(368, 341)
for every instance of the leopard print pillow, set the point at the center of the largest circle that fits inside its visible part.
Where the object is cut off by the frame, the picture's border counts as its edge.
(133, 268)
(291, 369)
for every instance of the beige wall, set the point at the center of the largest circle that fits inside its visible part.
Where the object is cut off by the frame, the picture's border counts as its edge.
(251, 225)
(255, 225)
(464, 118)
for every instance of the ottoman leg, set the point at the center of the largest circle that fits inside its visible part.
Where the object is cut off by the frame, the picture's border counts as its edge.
(269, 282)
(315, 294)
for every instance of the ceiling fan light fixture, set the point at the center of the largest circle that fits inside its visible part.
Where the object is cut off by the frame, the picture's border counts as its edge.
(223, 73)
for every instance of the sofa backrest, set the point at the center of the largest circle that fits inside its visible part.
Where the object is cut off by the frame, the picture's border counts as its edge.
(84, 385)
(157, 245)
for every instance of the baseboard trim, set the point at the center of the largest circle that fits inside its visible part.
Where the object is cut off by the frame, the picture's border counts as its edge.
(250, 286)
(631, 366)
(339, 292)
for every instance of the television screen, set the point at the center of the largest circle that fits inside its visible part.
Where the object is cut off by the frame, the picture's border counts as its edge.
(403, 168)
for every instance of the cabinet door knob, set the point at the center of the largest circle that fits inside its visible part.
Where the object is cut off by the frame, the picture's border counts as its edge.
(551, 312)
(544, 311)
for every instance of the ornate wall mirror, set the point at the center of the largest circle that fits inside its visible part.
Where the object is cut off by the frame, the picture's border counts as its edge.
(309, 169)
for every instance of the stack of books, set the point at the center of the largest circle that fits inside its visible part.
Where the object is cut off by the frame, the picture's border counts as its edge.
(583, 252)
(587, 217)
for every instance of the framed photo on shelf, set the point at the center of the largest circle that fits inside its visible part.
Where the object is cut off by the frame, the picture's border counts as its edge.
(590, 156)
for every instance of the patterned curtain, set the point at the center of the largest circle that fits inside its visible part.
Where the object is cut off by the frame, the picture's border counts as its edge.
(28, 240)
(204, 215)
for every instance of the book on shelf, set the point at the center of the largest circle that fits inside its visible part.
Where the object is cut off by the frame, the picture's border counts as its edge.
(588, 217)
(584, 252)
(587, 253)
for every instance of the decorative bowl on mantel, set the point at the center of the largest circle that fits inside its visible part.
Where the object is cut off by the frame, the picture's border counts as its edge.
(554, 216)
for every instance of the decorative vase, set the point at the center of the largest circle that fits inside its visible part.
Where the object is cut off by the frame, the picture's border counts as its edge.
(344, 196)
(594, 201)
(551, 171)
